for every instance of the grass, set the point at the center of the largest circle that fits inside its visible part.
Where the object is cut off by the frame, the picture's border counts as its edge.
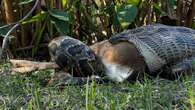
(30, 92)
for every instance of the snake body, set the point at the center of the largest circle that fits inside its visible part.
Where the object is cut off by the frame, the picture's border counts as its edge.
(160, 46)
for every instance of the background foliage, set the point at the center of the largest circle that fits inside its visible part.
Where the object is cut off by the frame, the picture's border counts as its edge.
(88, 20)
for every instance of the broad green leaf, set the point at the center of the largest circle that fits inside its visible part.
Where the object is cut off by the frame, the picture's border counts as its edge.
(117, 2)
(132, 2)
(126, 14)
(61, 26)
(61, 20)
(58, 14)
(4, 30)
(38, 17)
(157, 8)
(39, 35)
(98, 2)
(24, 2)
(116, 22)
(193, 25)
(110, 10)
(171, 2)
(64, 2)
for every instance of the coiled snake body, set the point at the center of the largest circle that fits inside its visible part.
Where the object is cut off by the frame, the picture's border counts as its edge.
(160, 46)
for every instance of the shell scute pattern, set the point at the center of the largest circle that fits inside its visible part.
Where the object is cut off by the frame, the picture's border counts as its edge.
(62, 60)
(76, 49)
(81, 52)
(74, 54)
(67, 43)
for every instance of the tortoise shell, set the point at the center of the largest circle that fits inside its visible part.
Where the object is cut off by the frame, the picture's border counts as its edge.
(73, 54)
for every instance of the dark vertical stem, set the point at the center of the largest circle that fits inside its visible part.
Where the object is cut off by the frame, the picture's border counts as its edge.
(8, 11)
(190, 14)
(26, 29)
(156, 15)
(3, 16)
(179, 11)
(9, 15)
(139, 17)
(78, 18)
(147, 12)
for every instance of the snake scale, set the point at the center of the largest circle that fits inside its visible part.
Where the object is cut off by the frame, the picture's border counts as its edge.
(160, 45)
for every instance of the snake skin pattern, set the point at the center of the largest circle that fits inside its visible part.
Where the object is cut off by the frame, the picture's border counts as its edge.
(160, 44)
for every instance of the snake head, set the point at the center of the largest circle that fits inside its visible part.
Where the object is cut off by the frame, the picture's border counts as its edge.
(122, 37)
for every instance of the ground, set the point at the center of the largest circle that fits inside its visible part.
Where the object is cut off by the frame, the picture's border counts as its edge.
(30, 92)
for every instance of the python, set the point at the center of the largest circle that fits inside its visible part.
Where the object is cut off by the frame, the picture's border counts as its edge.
(167, 51)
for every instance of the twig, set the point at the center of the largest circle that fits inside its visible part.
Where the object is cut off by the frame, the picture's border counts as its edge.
(24, 66)
(15, 26)
(8, 25)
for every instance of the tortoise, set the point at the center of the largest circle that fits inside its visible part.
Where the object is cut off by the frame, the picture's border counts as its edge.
(152, 49)
(74, 56)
